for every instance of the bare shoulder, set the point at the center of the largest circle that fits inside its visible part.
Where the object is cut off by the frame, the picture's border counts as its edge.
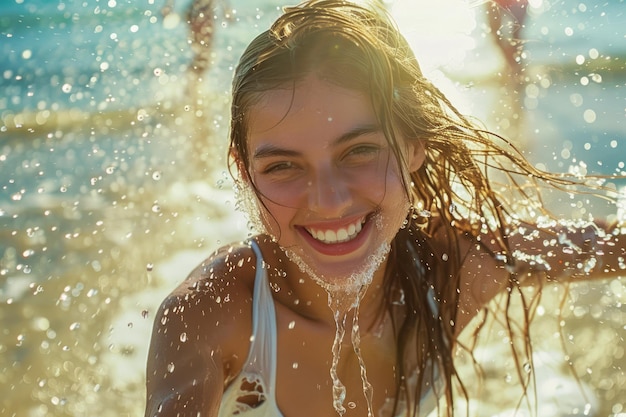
(213, 304)
(481, 275)
(201, 333)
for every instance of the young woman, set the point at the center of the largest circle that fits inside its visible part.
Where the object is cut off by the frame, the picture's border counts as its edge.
(382, 212)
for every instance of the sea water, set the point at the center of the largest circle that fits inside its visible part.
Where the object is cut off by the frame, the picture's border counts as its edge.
(105, 205)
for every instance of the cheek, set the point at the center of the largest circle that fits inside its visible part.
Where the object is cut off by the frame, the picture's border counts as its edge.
(394, 185)
(287, 193)
(380, 181)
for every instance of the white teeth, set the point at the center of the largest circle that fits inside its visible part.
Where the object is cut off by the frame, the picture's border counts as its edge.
(343, 234)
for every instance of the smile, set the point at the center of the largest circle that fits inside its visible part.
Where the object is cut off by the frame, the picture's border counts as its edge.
(343, 234)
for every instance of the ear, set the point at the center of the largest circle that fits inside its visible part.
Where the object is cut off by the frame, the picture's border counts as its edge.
(416, 154)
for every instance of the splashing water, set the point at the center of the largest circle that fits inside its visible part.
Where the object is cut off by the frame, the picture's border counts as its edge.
(345, 294)
(342, 298)
(247, 203)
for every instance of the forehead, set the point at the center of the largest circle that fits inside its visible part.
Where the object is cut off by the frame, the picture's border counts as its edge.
(312, 107)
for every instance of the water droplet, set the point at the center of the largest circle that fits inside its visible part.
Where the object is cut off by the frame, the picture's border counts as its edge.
(589, 116)
(144, 313)
(170, 367)
(292, 325)
(183, 337)
(149, 267)
(294, 365)
(156, 175)
(41, 324)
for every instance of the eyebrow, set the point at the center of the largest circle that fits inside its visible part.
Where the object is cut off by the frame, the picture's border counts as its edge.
(269, 150)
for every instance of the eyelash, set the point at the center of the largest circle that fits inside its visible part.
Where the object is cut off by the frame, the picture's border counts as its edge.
(363, 151)
(280, 166)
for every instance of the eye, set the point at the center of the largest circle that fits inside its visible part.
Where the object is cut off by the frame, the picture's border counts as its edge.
(277, 167)
(362, 154)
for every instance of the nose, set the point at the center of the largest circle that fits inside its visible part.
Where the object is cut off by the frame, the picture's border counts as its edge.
(329, 194)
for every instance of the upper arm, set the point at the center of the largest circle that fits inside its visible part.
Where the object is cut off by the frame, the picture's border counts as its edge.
(184, 370)
(199, 340)
(481, 278)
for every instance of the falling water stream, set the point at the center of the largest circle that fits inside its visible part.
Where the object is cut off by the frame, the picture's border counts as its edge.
(345, 295)
(341, 303)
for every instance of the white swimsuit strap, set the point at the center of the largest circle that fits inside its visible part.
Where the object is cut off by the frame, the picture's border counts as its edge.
(263, 349)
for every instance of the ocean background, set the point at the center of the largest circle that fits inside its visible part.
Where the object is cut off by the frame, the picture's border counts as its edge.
(113, 183)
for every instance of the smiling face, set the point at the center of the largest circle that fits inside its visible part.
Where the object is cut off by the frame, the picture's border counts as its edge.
(331, 188)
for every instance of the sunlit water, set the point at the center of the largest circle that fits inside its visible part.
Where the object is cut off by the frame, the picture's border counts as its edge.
(113, 185)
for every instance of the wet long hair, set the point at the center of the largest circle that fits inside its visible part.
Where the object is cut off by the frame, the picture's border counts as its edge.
(452, 194)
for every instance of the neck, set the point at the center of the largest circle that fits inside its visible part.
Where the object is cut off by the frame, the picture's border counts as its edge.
(303, 295)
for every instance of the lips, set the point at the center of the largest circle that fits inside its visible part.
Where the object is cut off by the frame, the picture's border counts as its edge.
(338, 235)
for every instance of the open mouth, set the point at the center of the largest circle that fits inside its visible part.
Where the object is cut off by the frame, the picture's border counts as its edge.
(340, 235)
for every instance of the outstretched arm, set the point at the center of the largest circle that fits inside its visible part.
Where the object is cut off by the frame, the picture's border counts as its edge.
(554, 252)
